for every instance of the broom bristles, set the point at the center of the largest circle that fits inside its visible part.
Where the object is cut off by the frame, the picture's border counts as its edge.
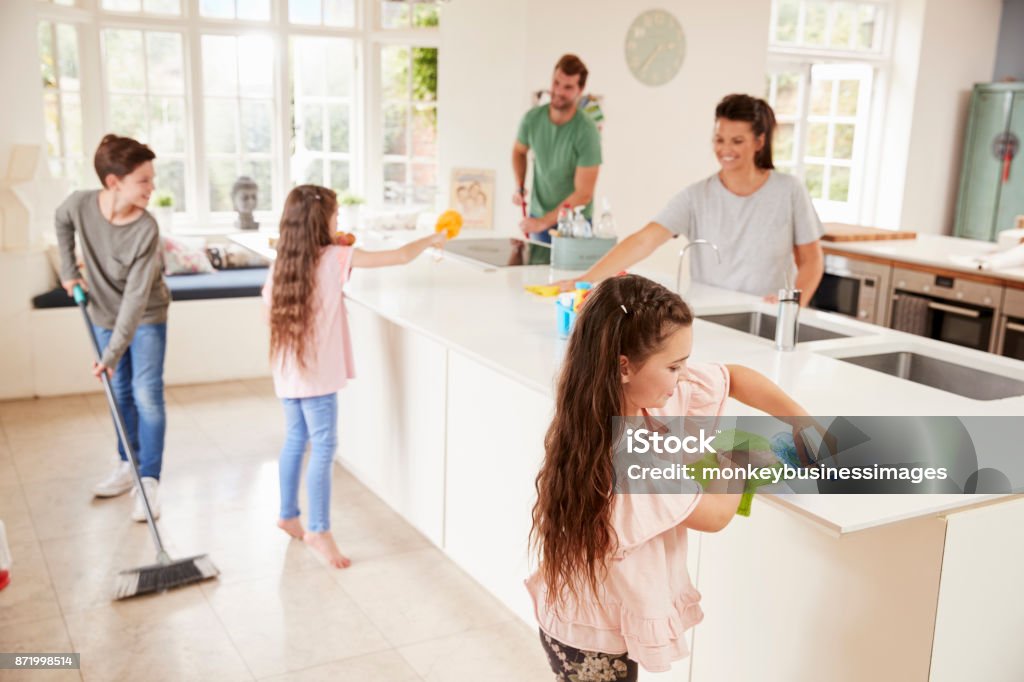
(161, 577)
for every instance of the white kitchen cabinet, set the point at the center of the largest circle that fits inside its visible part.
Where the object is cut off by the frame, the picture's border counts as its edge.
(496, 429)
(391, 418)
(786, 601)
(980, 617)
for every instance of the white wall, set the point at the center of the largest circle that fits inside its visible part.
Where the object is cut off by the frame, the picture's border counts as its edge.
(897, 86)
(21, 116)
(482, 90)
(958, 48)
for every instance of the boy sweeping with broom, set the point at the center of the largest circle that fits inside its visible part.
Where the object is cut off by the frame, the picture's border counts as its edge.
(127, 302)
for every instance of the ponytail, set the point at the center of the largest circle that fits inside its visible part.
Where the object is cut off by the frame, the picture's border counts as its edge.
(759, 115)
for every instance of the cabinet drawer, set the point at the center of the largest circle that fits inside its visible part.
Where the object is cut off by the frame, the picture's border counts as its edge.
(1013, 304)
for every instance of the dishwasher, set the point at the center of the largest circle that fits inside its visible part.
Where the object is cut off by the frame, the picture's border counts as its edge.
(947, 308)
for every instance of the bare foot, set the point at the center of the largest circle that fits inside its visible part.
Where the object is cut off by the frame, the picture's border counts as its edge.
(291, 526)
(324, 544)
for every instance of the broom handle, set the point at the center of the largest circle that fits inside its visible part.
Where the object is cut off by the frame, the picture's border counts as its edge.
(122, 431)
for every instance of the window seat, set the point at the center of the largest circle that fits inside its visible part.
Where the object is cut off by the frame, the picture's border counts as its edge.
(239, 283)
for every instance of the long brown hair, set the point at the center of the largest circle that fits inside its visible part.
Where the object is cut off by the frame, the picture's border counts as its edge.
(305, 231)
(759, 115)
(624, 316)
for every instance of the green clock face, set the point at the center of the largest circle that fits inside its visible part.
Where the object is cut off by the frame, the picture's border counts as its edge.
(655, 47)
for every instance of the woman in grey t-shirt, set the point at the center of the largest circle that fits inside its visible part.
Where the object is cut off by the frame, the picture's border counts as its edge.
(762, 221)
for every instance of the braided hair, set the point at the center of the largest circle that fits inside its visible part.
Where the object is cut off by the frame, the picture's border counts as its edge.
(627, 316)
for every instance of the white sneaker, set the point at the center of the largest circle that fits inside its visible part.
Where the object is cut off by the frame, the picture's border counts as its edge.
(117, 483)
(152, 488)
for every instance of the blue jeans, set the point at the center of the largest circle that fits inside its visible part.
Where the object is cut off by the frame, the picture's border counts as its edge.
(309, 420)
(138, 385)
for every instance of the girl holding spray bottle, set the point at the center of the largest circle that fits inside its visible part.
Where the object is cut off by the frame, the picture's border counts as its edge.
(612, 592)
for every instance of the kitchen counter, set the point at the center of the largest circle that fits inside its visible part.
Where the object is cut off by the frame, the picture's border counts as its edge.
(487, 316)
(445, 421)
(948, 253)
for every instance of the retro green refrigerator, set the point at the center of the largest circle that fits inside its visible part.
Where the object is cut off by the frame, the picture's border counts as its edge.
(992, 176)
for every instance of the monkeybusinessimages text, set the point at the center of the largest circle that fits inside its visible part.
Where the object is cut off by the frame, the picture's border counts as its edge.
(648, 442)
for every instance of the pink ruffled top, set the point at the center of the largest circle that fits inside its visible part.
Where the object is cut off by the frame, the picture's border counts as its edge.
(647, 602)
(330, 362)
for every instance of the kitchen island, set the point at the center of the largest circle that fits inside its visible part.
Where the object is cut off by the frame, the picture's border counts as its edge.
(445, 421)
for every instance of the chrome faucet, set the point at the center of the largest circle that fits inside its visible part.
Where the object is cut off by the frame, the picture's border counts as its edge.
(682, 254)
(787, 323)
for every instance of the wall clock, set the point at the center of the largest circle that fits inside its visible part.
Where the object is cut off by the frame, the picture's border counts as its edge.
(655, 47)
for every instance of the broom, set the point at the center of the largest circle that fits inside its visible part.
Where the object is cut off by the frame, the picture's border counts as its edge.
(166, 573)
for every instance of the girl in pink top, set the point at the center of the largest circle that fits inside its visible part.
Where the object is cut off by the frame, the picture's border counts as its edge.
(311, 353)
(612, 590)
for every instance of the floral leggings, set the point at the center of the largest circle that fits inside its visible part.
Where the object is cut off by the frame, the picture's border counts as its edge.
(574, 665)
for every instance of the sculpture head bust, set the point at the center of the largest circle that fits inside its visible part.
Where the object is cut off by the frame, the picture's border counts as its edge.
(244, 197)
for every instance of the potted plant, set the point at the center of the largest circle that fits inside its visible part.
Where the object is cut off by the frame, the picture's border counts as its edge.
(348, 211)
(163, 211)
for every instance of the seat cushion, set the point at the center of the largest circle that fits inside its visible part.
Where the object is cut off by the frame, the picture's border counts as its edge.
(239, 283)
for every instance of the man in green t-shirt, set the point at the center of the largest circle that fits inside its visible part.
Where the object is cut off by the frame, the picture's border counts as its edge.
(566, 152)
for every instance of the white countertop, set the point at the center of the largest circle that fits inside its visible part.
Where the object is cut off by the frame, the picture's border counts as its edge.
(950, 253)
(486, 315)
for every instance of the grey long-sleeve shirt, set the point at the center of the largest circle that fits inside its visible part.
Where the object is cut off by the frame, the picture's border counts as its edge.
(123, 268)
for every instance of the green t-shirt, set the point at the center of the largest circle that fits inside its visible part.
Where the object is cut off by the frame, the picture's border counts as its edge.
(557, 152)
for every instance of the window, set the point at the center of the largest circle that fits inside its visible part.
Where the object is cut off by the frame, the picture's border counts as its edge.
(827, 24)
(408, 13)
(409, 115)
(823, 59)
(822, 132)
(322, 12)
(62, 100)
(337, 92)
(169, 7)
(323, 87)
(238, 109)
(145, 81)
(252, 10)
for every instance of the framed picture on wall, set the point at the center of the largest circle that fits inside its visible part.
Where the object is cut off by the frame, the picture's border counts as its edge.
(473, 196)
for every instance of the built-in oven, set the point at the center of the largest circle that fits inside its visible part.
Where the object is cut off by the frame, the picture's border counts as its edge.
(1011, 325)
(944, 307)
(855, 288)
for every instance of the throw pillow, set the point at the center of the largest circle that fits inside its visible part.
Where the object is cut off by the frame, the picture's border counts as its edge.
(185, 256)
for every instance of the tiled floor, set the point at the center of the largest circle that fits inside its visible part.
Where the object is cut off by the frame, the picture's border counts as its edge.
(403, 611)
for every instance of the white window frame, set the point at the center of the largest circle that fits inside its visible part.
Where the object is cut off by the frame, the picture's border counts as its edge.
(383, 37)
(63, 157)
(106, 92)
(367, 35)
(240, 155)
(409, 159)
(353, 101)
(884, 13)
(860, 206)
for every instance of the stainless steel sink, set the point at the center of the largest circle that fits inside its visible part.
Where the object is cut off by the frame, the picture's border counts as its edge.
(763, 325)
(946, 376)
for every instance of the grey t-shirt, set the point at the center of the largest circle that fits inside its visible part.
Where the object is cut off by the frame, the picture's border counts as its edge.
(755, 234)
(123, 268)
